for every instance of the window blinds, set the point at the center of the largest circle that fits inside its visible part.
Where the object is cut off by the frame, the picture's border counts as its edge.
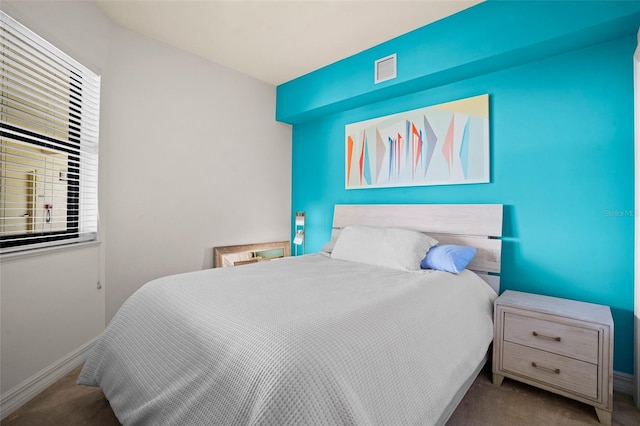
(49, 115)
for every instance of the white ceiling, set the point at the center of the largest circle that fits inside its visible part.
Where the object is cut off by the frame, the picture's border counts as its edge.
(276, 41)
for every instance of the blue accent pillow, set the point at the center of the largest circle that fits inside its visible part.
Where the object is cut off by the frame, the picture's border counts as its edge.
(448, 258)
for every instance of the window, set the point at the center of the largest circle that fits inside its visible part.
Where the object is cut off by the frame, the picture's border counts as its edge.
(49, 112)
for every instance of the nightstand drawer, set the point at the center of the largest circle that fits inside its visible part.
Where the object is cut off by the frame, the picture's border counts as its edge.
(560, 371)
(564, 339)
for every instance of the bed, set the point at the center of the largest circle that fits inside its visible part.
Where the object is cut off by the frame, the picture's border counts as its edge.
(315, 339)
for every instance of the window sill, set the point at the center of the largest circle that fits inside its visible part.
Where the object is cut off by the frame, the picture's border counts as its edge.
(48, 250)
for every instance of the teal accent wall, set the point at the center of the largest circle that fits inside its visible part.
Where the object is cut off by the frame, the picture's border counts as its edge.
(562, 150)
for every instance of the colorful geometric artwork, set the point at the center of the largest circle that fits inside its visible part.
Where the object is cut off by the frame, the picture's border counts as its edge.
(442, 144)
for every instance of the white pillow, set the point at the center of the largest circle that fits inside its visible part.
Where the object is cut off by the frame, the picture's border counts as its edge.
(388, 247)
(328, 247)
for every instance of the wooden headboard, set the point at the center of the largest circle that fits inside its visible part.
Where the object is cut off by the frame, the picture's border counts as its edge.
(473, 225)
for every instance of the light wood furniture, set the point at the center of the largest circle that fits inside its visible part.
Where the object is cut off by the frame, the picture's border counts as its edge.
(243, 254)
(473, 225)
(560, 345)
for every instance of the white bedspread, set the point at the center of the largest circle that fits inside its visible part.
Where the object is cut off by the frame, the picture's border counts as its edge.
(307, 340)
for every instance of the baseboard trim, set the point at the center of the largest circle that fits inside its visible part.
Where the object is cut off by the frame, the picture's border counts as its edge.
(24, 392)
(623, 382)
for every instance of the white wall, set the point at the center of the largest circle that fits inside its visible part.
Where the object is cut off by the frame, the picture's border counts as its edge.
(195, 160)
(190, 157)
(50, 307)
(49, 303)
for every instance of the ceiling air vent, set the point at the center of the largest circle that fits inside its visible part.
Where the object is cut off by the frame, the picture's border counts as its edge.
(385, 69)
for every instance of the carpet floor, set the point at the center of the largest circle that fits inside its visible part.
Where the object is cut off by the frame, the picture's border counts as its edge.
(513, 403)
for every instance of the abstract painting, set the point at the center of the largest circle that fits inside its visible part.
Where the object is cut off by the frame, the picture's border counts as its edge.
(442, 144)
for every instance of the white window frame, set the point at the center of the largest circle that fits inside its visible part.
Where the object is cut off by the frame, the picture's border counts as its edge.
(27, 64)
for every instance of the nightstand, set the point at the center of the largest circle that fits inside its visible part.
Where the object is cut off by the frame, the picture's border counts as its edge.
(560, 345)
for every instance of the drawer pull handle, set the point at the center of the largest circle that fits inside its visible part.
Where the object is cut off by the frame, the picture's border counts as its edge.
(550, 370)
(535, 333)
